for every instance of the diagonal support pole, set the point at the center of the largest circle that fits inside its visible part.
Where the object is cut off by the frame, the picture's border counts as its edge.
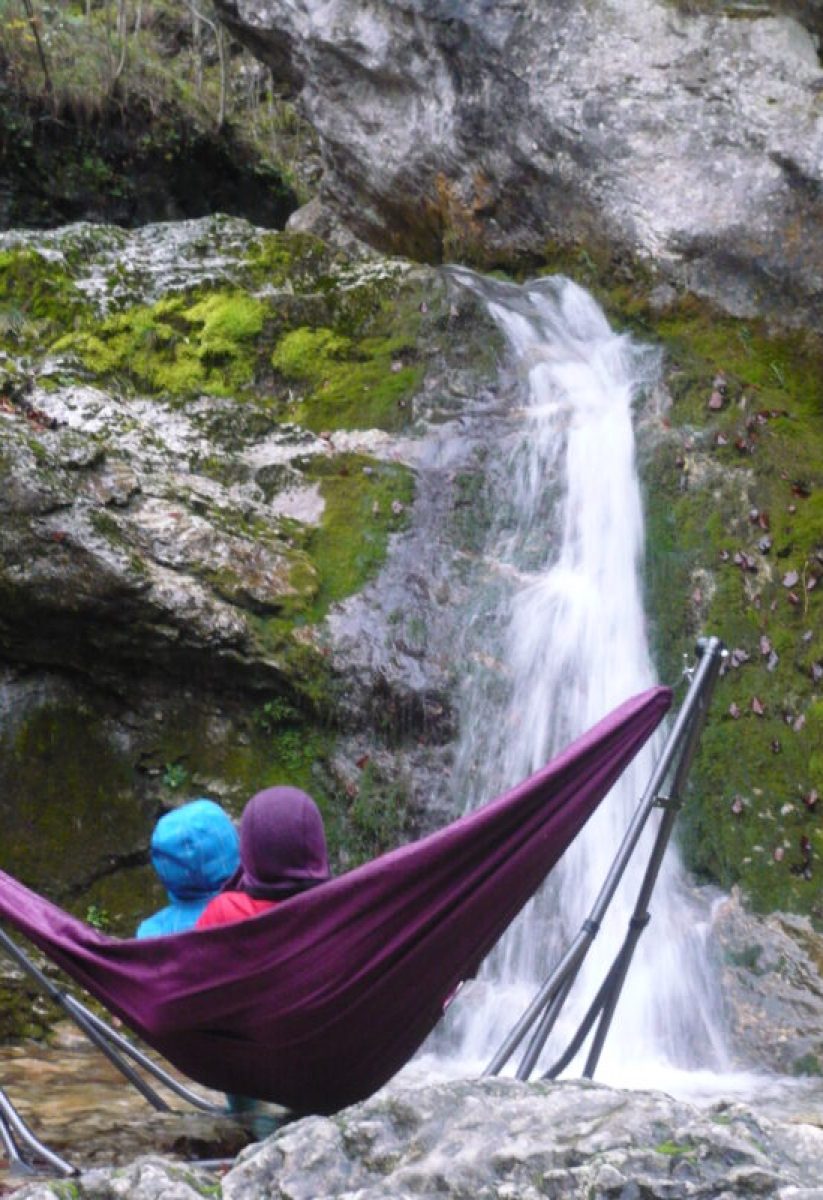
(117, 1048)
(15, 1133)
(674, 761)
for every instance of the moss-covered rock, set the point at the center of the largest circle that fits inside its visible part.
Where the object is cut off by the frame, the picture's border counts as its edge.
(175, 533)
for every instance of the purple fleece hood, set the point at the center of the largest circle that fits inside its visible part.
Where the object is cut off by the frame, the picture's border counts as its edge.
(282, 845)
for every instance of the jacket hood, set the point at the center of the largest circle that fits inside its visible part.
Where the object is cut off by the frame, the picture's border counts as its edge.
(282, 845)
(194, 850)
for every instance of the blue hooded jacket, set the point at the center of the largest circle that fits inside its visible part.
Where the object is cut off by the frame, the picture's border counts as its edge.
(195, 850)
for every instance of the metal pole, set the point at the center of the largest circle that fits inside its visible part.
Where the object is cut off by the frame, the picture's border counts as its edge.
(568, 966)
(11, 1124)
(74, 1007)
(702, 688)
(679, 748)
(95, 1028)
(81, 1018)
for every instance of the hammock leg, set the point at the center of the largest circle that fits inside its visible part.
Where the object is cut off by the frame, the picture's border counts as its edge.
(13, 1129)
(117, 1049)
(673, 764)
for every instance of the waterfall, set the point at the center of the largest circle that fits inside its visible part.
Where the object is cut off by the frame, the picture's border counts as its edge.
(557, 639)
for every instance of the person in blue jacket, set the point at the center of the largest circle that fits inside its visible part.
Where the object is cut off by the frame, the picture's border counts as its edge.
(195, 850)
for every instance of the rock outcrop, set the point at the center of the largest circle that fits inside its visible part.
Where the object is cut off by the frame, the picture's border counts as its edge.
(211, 435)
(500, 1138)
(690, 139)
(772, 984)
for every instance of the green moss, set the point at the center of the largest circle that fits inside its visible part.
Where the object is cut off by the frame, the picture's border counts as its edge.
(176, 346)
(364, 384)
(78, 789)
(365, 501)
(37, 295)
(809, 1064)
(761, 496)
(294, 260)
(376, 817)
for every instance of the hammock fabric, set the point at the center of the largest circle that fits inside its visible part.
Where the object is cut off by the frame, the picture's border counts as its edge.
(318, 1002)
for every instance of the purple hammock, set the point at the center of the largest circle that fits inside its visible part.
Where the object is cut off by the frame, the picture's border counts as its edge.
(316, 1004)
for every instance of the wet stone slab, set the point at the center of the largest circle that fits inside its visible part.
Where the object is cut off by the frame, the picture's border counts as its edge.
(79, 1106)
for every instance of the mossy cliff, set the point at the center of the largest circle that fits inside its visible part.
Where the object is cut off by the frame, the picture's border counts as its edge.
(188, 487)
(732, 459)
(206, 435)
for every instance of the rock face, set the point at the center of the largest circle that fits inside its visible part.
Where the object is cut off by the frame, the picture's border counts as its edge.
(773, 988)
(210, 436)
(500, 1138)
(486, 132)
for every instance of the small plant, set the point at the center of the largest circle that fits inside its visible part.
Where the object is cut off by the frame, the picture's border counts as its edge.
(274, 713)
(675, 1149)
(98, 917)
(175, 776)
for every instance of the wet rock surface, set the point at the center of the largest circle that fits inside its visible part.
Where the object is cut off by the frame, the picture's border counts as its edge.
(501, 1138)
(485, 133)
(772, 987)
(76, 1103)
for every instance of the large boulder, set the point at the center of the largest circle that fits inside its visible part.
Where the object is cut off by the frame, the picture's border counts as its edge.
(501, 1138)
(688, 138)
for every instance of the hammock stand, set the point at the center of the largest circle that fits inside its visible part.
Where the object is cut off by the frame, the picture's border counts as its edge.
(673, 764)
(24, 1149)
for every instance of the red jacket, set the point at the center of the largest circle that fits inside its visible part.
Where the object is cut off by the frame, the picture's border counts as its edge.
(231, 906)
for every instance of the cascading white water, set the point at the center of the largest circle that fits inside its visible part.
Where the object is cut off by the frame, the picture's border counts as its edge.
(565, 642)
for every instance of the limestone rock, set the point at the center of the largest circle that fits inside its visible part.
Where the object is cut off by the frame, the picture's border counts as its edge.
(773, 988)
(504, 1139)
(690, 137)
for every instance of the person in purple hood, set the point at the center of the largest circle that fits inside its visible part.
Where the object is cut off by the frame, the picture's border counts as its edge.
(282, 851)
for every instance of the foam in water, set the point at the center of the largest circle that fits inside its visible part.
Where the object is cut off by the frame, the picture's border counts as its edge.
(566, 604)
